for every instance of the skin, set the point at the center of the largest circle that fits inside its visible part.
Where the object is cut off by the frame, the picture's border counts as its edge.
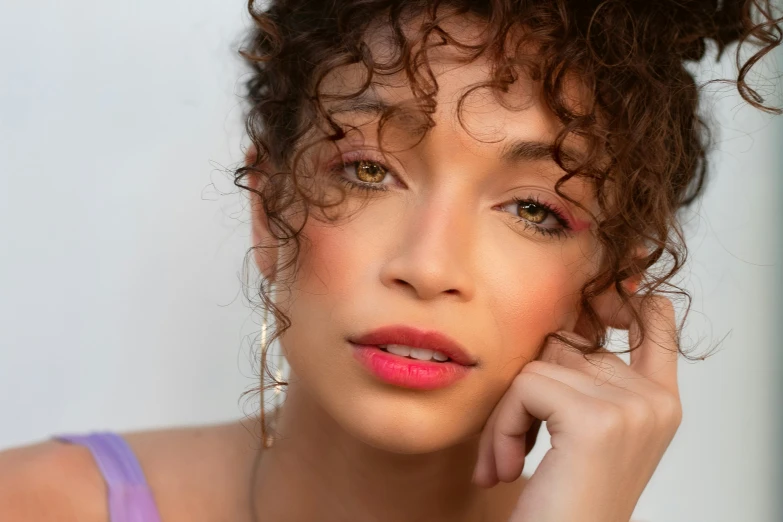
(441, 245)
(431, 251)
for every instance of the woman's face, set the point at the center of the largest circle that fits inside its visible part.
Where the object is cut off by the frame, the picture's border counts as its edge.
(445, 248)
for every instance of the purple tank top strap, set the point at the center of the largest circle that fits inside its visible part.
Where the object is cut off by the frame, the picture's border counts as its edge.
(130, 498)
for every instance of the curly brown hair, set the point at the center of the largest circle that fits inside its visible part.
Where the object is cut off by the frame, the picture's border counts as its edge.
(645, 139)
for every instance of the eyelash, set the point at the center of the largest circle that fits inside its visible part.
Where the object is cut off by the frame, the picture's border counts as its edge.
(557, 233)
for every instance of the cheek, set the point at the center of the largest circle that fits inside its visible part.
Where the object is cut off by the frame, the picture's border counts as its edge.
(334, 259)
(538, 292)
(530, 294)
(328, 277)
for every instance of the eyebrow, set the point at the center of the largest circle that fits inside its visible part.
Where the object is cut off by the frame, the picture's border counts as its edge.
(531, 150)
(513, 152)
(367, 102)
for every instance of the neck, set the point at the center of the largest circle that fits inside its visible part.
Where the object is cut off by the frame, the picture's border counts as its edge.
(317, 471)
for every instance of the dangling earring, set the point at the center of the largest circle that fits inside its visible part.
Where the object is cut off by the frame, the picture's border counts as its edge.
(280, 366)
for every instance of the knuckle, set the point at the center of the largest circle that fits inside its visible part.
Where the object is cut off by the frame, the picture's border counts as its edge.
(607, 423)
(670, 409)
(640, 414)
(662, 302)
(523, 381)
(662, 306)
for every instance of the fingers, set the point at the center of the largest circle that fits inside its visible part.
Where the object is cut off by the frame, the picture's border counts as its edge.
(485, 473)
(601, 367)
(565, 380)
(502, 446)
(656, 358)
(600, 381)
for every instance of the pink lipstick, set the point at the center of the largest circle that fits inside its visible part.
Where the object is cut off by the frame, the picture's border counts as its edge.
(435, 360)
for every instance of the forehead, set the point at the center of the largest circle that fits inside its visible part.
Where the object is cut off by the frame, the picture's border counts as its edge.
(512, 126)
(462, 96)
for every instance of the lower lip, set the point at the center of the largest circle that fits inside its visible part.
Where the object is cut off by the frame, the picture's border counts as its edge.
(408, 373)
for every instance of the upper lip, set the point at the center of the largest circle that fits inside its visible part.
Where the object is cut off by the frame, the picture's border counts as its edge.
(417, 338)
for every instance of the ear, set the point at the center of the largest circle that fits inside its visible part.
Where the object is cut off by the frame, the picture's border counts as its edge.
(609, 305)
(266, 256)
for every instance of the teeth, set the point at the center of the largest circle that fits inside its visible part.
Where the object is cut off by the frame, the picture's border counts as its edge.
(398, 349)
(439, 356)
(421, 354)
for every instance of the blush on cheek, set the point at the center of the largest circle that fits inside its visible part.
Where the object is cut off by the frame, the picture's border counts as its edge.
(548, 306)
(327, 258)
(556, 304)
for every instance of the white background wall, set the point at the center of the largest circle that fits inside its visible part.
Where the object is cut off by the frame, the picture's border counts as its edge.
(120, 299)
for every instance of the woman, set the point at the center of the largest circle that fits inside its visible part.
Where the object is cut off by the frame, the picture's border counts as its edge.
(453, 202)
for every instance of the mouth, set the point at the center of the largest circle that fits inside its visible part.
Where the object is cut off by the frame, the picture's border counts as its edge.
(407, 341)
(419, 354)
(411, 358)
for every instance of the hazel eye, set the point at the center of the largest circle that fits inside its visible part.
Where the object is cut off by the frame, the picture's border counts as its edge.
(369, 171)
(538, 216)
(533, 212)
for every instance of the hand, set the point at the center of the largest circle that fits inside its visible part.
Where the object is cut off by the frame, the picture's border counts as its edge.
(610, 424)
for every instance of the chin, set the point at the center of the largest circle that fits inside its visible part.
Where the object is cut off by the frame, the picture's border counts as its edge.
(405, 427)
(404, 421)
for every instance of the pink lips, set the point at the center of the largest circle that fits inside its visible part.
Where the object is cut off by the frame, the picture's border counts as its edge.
(412, 373)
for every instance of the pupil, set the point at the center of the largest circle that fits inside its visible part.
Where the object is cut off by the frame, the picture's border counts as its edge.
(532, 212)
(369, 172)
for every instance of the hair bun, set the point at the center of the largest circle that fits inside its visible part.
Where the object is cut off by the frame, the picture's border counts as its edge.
(620, 28)
(696, 21)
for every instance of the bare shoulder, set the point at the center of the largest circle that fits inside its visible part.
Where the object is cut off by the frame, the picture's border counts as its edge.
(198, 472)
(51, 481)
(195, 473)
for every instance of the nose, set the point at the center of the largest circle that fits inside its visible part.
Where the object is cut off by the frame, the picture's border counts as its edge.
(432, 253)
